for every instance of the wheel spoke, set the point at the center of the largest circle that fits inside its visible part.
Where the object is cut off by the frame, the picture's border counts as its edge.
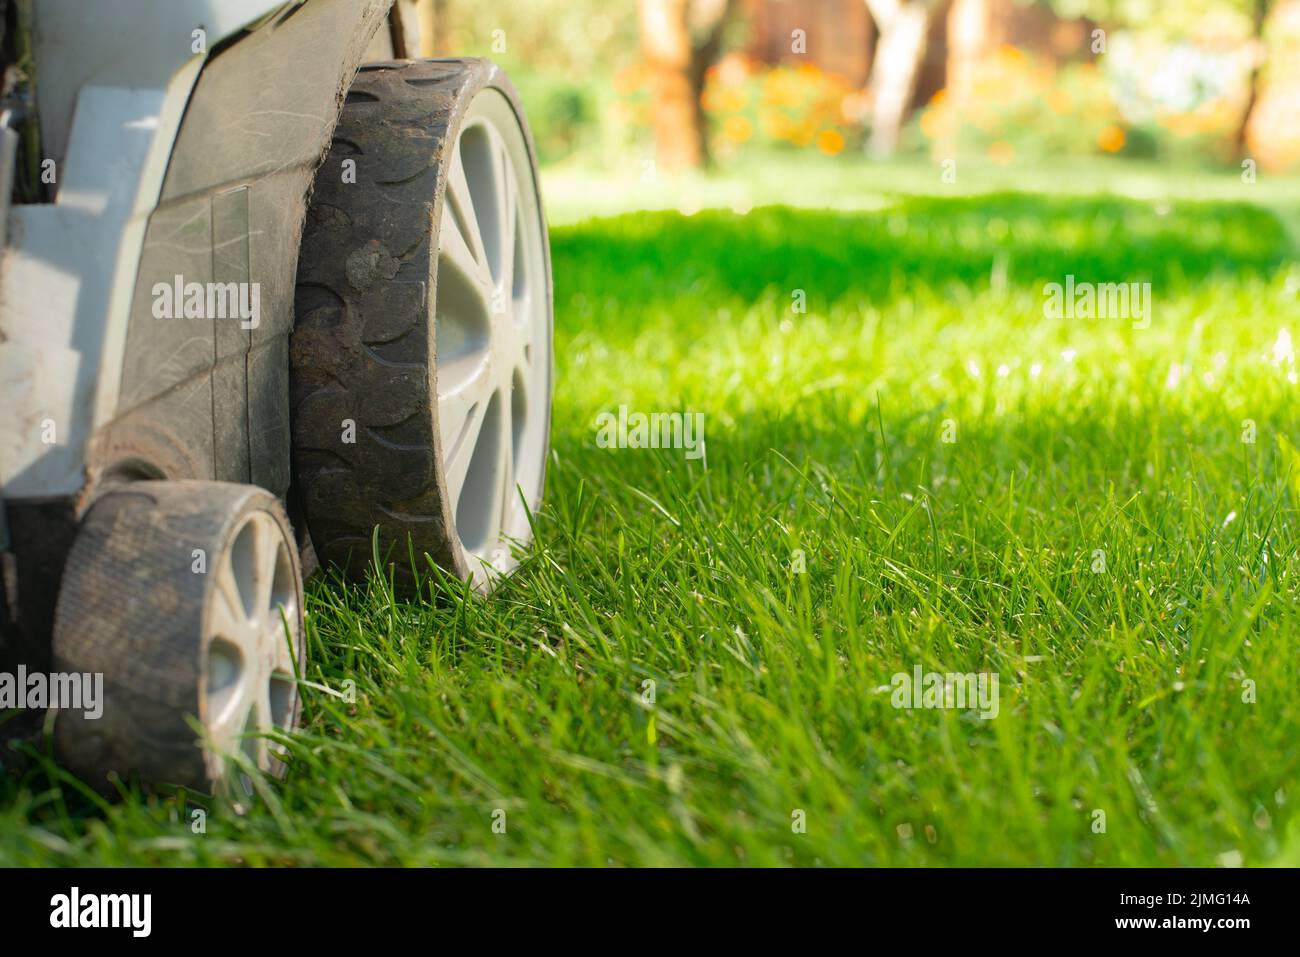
(456, 409)
(261, 721)
(463, 214)
(462, 419)
(455, 249)
(225, 726)
(528, 349)
(229, 617)
(283, 653)
(508, 215)
(521, 299)
(266, 547)
(505, 472)
(507, 466)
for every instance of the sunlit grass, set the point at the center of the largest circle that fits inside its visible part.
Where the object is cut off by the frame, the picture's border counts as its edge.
(659, 685)
(575, 191)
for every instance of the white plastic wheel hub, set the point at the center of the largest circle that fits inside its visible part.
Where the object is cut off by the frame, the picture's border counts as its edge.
(493, 336)
(253, 622)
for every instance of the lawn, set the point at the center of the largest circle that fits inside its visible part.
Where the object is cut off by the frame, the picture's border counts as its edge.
(922, 469)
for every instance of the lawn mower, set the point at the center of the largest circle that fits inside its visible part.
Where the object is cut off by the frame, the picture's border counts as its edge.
(275, 291)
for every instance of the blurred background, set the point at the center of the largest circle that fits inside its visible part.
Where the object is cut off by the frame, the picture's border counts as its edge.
(650, 103)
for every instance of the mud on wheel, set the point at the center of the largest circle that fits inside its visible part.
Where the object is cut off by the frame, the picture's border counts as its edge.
(421, 357)
(187, 598)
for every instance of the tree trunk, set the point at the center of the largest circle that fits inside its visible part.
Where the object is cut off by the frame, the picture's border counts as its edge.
(440, 20)
(968, 43)
(903, 27)
(1259, 17)
(678, 64)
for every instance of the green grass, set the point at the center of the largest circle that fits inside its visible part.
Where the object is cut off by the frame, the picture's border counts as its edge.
(1120, 690)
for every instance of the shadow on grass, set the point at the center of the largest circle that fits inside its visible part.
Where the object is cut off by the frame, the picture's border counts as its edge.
(654, 258)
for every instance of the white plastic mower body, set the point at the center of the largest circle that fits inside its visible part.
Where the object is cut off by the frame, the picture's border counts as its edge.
(220, 329)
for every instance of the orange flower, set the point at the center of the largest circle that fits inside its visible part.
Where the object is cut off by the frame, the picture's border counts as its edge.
(936, 124)
(737, 129)
(1059, 101)
(777, 124)
(830, 142)
(629, 79)
(1111, 139)
(1002, 152)
(731, 98)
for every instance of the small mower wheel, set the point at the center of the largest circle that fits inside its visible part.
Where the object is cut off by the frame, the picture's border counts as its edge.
(179, 593)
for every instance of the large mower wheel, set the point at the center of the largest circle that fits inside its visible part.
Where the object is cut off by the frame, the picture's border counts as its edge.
(421, 357)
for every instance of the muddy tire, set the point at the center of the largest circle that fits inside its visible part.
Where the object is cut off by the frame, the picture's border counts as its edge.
(187, 598)
(421, 355)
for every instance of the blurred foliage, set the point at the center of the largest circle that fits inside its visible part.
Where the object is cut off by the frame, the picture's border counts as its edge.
(751, 105)
(564, 115)
(1170, 86)
(798, 107)
(1219, 18)
(579, 39)
(1019, 107)
(1022, 107)
(560, 55)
